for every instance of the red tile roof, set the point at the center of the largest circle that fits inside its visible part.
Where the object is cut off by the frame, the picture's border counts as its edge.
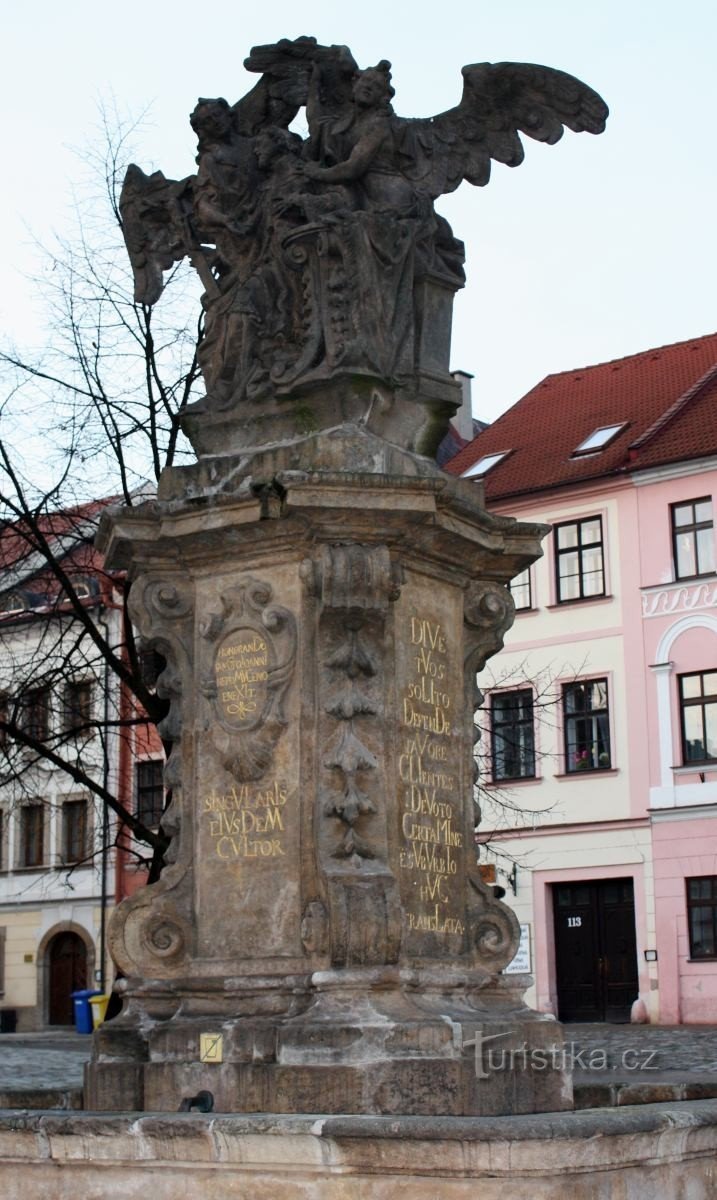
(70, 535)
(667, 396)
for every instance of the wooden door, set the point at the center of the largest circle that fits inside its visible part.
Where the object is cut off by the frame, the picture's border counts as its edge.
(595, 949)
(67, 958)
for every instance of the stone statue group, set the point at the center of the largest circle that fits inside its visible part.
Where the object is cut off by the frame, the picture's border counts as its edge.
(310, 249)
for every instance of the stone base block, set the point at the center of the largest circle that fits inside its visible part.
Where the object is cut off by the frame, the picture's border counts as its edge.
(363, 1063)
(654, 1151)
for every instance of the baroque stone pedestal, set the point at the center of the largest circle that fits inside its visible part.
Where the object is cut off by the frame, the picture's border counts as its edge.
(321, 940)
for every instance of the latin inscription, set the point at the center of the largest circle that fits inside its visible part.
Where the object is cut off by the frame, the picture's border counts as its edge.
(242, 673)
(432, 840)
(247, 822)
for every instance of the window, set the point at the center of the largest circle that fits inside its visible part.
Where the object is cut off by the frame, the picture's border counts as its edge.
(702, 916)
(32, 835)
(77, 706)
(520, 590)
(484, 464)
(599, 439)
(74, 831)
(586, 725)
(84, 587)
(2, 840)
(13, 602)
(33, 714)
(698, 712)
(150, 792)
(512, 740)
(151, 664)
(579, 560)
(693, 538)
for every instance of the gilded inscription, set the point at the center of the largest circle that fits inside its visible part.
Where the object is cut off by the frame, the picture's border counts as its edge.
(247, 822)
(433, 843)
(242, 674)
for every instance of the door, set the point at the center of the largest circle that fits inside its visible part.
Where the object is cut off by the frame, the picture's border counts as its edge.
(67, 958)
(595, 949)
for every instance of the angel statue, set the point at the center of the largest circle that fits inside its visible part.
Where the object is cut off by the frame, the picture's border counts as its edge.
(329, 277)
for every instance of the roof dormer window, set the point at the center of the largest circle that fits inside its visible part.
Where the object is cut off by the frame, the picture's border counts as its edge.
(13, 602)
(85, 586)
(484, 464)
(599, 439)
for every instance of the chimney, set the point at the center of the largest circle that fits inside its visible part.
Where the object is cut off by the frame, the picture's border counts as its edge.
(462, 422)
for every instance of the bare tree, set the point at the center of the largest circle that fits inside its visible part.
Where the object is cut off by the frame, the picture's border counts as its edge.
(95, 412)
(500, 808)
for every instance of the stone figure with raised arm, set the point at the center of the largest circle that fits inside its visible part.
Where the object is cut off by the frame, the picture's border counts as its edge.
(329, 276)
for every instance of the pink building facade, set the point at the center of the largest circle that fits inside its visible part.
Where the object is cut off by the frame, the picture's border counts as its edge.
(598, 756)
(679, 639)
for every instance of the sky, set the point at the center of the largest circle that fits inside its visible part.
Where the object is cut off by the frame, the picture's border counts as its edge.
(592, 249)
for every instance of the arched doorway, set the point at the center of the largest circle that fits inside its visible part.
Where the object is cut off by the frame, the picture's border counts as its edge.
(67, 972)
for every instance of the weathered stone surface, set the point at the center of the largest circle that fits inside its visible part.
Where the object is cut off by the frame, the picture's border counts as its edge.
(329, 277)
(323, 596)
(322, 912)
(626, 1154)
(40, 1097)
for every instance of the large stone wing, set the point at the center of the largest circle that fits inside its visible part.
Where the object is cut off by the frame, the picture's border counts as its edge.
(155, 215)
(499, 102)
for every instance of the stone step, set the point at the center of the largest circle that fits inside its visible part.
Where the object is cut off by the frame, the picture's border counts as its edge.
(41, 1099)
(615, 1094)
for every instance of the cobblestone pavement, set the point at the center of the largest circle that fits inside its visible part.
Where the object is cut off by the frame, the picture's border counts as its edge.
(42, 1060)
(653, 1049)
(635, 1054)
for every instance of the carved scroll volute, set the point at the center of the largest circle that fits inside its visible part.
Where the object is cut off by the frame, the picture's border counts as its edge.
(252, 661)
(150, 933)
(489, 612)
(354, 586)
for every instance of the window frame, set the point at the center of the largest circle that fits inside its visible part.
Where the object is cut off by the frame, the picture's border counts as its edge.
(141, 790)
(520, 723)
(679, 531)
(578, 549)
(701, 903)
(568, 718)
(36, 700)
(77, 803)
(478, 471)
(529, 607)
(23, 864)
(13, 603)
(77, 716)
(611, 431)
(694, 702)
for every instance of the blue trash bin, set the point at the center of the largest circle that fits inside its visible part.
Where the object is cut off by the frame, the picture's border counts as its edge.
(82, 1009)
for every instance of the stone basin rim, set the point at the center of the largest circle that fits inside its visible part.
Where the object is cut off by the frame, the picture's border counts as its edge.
(627, 1120)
